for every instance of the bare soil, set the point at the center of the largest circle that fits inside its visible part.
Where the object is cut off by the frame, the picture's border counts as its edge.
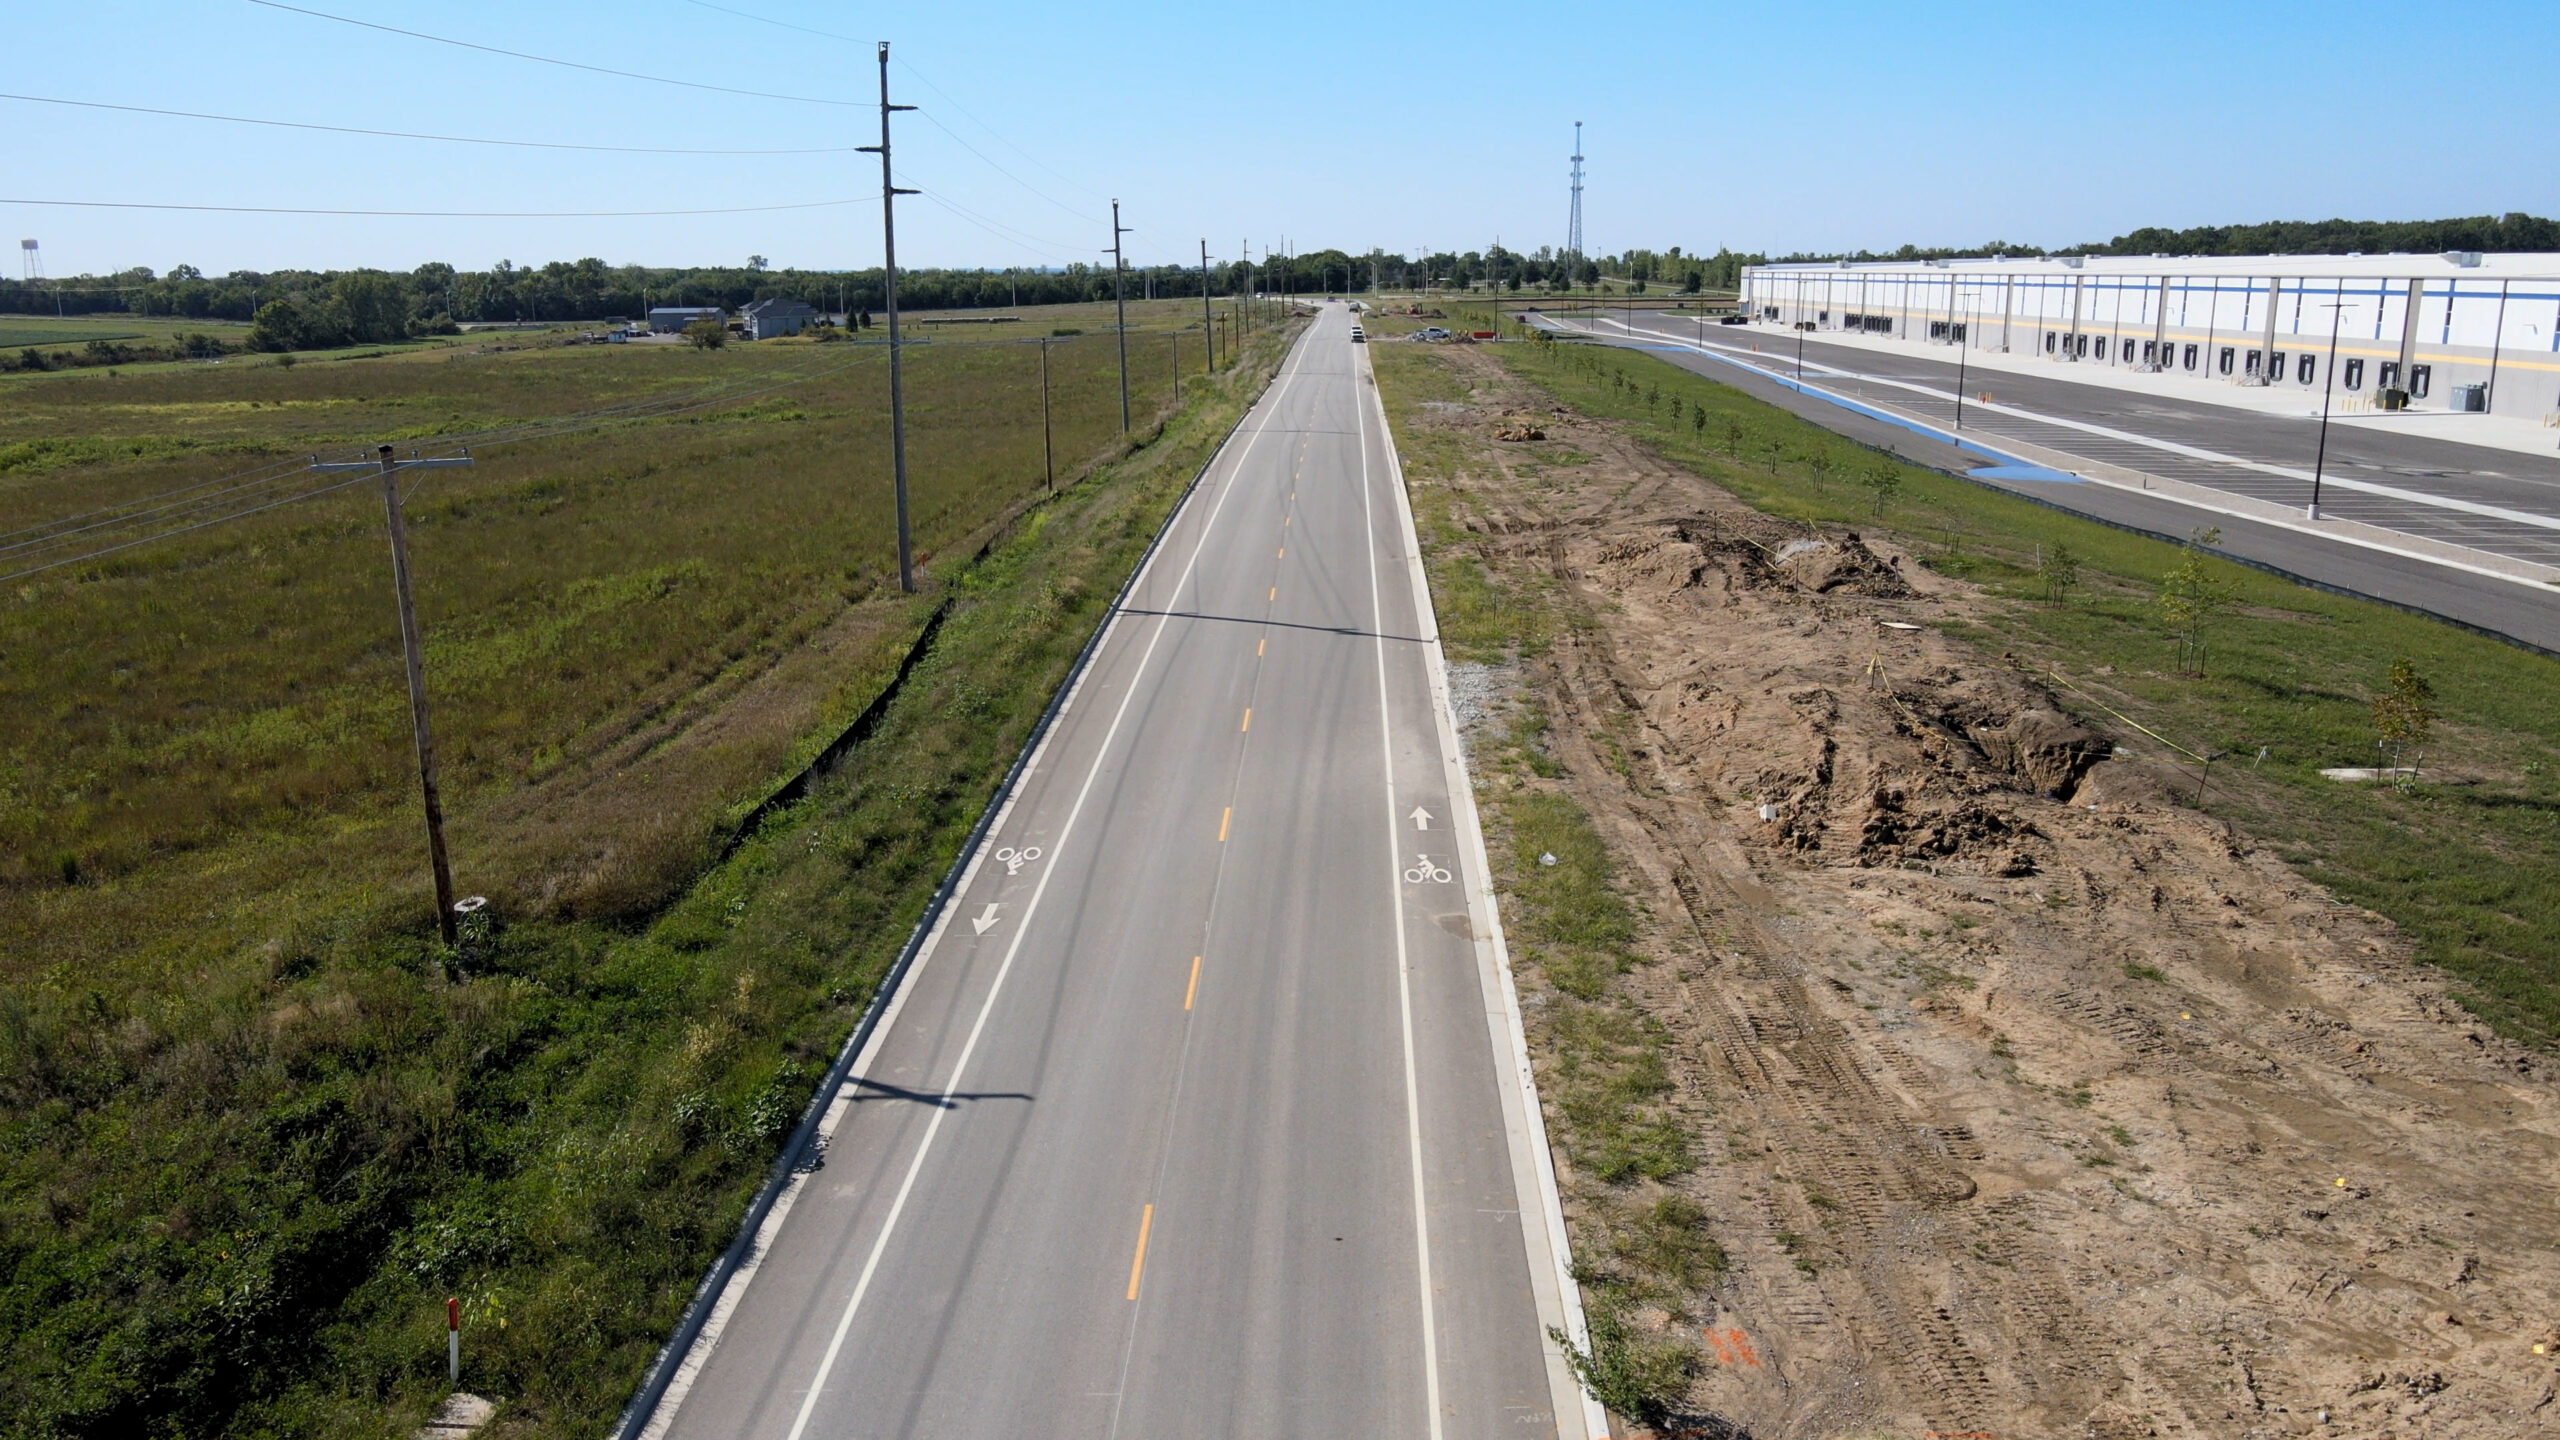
(2027, 1101)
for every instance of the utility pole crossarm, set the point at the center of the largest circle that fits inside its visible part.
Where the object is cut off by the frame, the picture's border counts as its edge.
(889, 193)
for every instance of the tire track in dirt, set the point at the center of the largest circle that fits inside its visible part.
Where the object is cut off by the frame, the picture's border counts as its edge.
(2027, 1101)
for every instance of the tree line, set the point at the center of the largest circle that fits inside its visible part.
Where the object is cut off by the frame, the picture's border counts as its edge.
(316, 309)
(2514, 231)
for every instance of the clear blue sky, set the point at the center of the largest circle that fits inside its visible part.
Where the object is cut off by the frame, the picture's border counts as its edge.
(1776, 128)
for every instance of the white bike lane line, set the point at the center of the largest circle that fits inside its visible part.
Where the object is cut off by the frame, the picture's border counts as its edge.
(1547, 1246)
(670, 1406)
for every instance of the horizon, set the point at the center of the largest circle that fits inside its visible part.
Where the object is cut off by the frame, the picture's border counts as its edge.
(1423, 133)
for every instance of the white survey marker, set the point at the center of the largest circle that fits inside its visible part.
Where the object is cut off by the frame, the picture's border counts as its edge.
(985, 922)
(1421, 818)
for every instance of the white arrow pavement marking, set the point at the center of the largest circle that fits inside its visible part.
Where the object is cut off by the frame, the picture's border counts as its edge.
(1421, 818)
(1270, 407)
(985, 922)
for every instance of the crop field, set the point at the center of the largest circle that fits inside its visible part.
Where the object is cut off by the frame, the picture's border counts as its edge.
(44, 332)
(251, 1129)
(229, 696)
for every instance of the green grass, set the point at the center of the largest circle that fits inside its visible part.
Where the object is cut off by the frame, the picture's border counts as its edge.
(14, 334)
(2469, 870)
(250, 1134)
(1606, 1083)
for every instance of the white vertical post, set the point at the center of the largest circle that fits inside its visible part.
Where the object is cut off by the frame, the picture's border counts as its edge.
(453, 1339)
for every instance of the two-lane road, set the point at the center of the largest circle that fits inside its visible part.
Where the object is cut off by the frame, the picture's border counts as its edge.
(1202, 1112)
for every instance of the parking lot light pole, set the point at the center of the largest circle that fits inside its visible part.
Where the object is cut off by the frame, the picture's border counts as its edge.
(1962, 336)
(2328, 387)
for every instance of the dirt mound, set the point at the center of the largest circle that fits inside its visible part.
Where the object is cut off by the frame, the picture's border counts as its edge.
(2026, 1101)
(1839, 565)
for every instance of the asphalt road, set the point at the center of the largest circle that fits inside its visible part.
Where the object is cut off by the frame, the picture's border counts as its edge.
(1917, 385)
(1201, 1113)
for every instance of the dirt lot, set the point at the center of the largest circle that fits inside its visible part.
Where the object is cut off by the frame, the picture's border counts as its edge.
(2024, 1100)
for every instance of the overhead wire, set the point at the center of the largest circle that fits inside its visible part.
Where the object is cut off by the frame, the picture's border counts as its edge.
(430, 214)
(927, 81)
(927, 115)
(983, 158)
(998, 228)
(777, 24)
(412, 135)
(564, 64)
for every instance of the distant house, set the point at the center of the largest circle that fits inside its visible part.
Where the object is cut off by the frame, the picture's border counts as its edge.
(671, 319)
(766, 319)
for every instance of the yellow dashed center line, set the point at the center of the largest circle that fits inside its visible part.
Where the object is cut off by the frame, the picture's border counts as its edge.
(1138, 1262)
(1274, 595)
(1223, 817)
(1248, 719)
(1258, 644)
(1283, 555)
(1193, 992)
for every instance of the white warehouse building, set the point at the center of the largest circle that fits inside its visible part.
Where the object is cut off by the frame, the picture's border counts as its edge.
(2462, 331)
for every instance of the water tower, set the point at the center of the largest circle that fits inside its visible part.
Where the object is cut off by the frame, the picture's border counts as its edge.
(30, 260)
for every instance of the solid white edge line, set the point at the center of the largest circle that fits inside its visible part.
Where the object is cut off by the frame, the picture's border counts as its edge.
(1731, 356)
(1404, 962)
(1524, 1121)
(959, 1070)
(671, 1403)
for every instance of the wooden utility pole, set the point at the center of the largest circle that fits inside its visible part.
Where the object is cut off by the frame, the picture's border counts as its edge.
(414, 654)
(889, 193)
(1120, 303)
(1048, 450)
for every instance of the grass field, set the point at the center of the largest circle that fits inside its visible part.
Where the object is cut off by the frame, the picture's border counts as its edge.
(44, 332)
(249, 1134)
(2468, 864)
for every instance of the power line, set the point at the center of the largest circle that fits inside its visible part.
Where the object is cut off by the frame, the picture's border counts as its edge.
(408, 135)
(991, 225)
(992, 165)
(564, 64)
(428, 214)
(777, 24)
(928, 116)
(964, 111)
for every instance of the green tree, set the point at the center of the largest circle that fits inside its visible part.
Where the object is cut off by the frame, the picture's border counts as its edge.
(1698, 422)
(2405, 715)
(2059, 569)
(707, 334)
(1733, 438)
(2190, 598)
(375, 304)
(278, 326)
(1883, 480)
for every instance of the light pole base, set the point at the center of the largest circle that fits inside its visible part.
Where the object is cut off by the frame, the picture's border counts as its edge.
(2312, 510)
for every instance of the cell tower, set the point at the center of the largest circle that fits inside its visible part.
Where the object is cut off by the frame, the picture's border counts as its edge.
(30, 260)
(1573, 227)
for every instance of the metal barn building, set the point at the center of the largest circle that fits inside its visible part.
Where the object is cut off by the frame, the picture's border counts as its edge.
(2462, 330)
(671, 319)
